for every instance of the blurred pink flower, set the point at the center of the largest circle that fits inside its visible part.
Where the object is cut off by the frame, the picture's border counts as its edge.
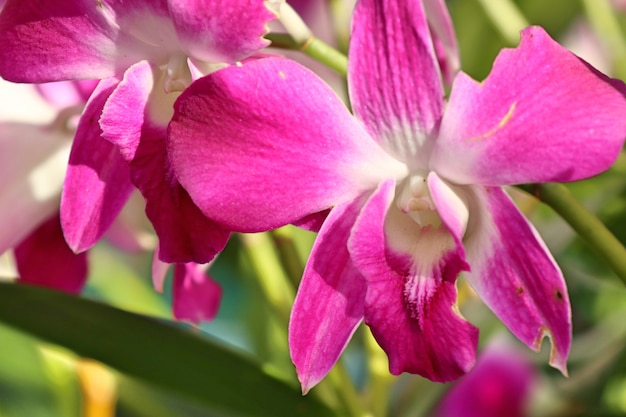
(500, 385)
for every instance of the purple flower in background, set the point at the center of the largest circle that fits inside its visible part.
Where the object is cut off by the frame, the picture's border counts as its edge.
(500, 384)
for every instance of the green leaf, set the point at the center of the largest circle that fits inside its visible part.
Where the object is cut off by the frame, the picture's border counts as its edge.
(157, 352)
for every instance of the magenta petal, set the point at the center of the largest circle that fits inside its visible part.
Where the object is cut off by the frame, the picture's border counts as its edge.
(196, 296)
(256, 150)
(411, 296)
(329, 303)
(97, 183)
(59, 40)
(312, 222)
(208, 33)
(185, 234)
(63, 94)
(44, 259)
(541, 115)
(394, 78)
(514, 273)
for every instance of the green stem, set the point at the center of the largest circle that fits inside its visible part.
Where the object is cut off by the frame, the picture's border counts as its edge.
(272, 278)
(315, 48)
(288, 253)
(584, 222)
(264, 254)
(341, 12)
(348, 395)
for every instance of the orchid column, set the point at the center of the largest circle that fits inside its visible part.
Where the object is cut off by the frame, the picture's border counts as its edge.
(415, 192)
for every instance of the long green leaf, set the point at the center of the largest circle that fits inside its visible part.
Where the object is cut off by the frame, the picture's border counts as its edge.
(167, 356)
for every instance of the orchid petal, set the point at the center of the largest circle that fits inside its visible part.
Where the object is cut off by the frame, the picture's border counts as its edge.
(185, 234)
(64, 94)
(235, 170)
(196, 297)
(312, 222)
(444, 38)
(411, 298)
(105, 37)
(394, 79)
(36, 39)
(531, 110)
(329, 304)
(44, 259)
(515, 275)
(30, 185)
(207, 33)
(97, 183)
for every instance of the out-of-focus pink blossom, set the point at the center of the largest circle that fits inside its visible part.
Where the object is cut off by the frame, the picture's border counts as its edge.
(500, 385)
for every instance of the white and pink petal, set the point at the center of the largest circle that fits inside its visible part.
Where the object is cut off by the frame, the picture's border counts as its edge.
(33, 162)
(394, 79)
(329, 304)
(514, 273)
(207, 31)
(257, 150)
(97, 183)
(542, 115)
(410, 304)
(105, 37)
(36, 39)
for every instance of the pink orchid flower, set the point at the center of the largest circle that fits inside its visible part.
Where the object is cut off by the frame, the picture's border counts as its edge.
(415, 190)
(145, 52)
